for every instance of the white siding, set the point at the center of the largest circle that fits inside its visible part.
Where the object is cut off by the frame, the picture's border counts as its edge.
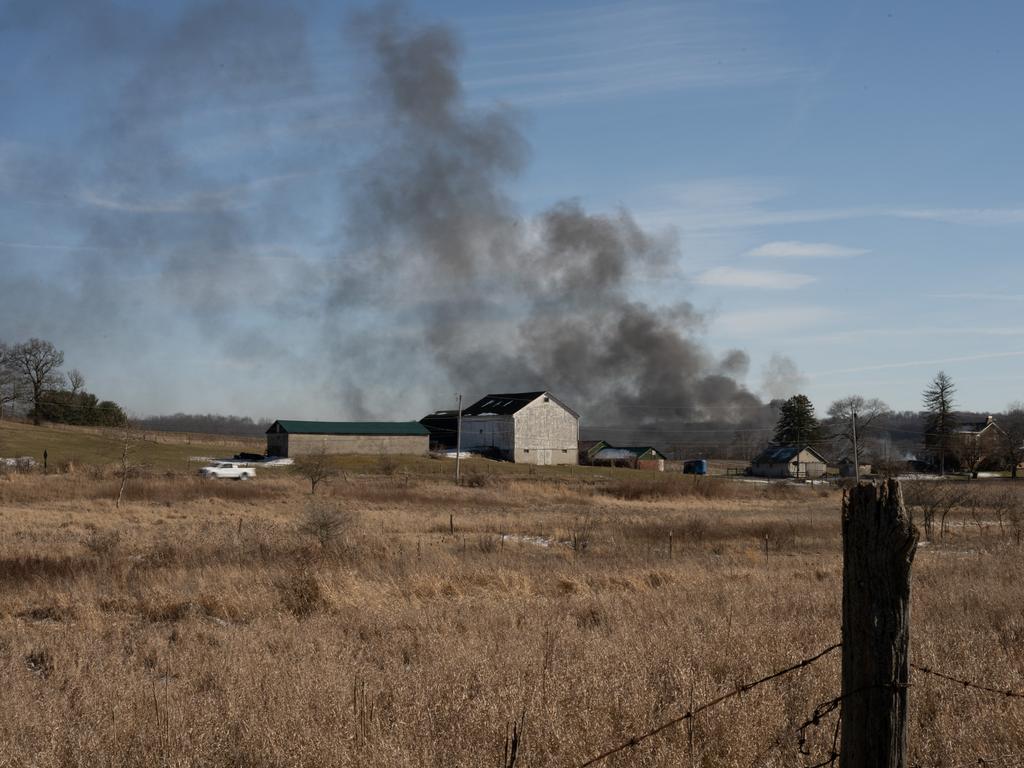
(546, 433)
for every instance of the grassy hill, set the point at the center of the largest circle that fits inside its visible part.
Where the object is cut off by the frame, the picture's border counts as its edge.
(84, 445)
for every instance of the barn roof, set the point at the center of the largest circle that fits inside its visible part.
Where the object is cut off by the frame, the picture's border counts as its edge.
(505, 404)
(348, 427)
(616, 453)
(783, 454)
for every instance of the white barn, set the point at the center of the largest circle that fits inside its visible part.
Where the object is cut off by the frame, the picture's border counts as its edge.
(524, 427)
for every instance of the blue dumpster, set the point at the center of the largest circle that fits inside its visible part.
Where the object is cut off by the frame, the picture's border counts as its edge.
(695, 467)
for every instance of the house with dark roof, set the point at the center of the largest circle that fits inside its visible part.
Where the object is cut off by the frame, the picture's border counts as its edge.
(789, 461)
(524, 427)
(979, 445)
(286, 438)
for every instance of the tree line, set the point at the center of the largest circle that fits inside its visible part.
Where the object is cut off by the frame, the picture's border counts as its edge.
(857, 430)
(32, 381)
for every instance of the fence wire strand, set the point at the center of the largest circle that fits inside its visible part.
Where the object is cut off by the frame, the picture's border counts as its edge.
(1009, 692)
(691, 713)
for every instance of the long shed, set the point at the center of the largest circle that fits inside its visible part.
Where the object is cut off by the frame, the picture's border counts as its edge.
(287, 438)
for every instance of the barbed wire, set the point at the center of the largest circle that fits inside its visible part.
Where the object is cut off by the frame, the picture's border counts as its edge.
(1008, 692)
(741, 688)
(1017, 758)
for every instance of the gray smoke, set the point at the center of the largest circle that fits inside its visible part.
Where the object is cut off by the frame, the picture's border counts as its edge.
(152, 218)
(433, 282)
(518, 304)
(781, 378)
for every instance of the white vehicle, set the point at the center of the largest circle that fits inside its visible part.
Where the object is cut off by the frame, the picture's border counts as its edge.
(230, 470)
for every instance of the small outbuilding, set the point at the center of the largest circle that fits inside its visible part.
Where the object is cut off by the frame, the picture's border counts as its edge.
(789, 461)
(287, 438)
(636, 457)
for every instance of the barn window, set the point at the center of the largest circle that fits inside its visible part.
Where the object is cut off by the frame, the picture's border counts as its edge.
(526, 450)
(565, 450)
(547, 399)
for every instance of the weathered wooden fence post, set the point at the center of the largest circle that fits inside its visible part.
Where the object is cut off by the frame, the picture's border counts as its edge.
(878, 549)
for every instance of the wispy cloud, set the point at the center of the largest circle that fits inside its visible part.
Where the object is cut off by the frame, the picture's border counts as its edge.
(725, 204)
(733, 277)
(233, 197)
(794, 249)
(602, 51)
(752, 323)
(50, 246)
(916, 363)
(979, 296)
(863, 334)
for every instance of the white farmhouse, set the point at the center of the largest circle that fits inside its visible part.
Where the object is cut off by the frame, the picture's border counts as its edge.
(524, 427)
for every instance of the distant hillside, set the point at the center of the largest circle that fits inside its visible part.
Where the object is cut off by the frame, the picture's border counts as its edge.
(90, 445)
(206, 423)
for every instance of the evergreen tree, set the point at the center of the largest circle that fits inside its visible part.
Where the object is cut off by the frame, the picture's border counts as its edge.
(797, 423)
(940, 422)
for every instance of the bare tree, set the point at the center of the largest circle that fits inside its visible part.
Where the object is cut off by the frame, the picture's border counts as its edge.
(76, 380)
(843, 412)
(127, 467)
(1012, 436)
(10, 382)
(940, 421)
(933, 499)
(37, 363)
(315, 467)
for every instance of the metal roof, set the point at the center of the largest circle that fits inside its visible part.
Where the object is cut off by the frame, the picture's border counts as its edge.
(615, 453)
(348, 427)
(504, 404)
(782, 454)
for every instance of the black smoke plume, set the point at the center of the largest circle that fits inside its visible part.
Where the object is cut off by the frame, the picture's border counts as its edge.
(518, 304)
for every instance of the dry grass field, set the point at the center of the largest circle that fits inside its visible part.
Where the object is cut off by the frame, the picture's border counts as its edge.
(249, 624)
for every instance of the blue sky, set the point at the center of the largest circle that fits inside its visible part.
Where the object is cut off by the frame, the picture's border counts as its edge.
(840, 178)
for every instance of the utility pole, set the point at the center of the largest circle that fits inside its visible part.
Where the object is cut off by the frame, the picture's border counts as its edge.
(458, 444)
(856, 456)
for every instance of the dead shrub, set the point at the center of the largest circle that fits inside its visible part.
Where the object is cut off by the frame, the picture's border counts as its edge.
(325, 521)
(300, 593)
(488, 543)
(166, 612)
(695, 529)
(103, 544)
(387, 465)
(39, 662)
(46, 613)
(27, 568)
(476, 479)
(589, 616)
(780, 537)
(669, 487)
(581, 535)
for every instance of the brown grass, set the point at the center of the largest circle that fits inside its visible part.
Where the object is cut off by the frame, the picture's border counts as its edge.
(218, 624)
